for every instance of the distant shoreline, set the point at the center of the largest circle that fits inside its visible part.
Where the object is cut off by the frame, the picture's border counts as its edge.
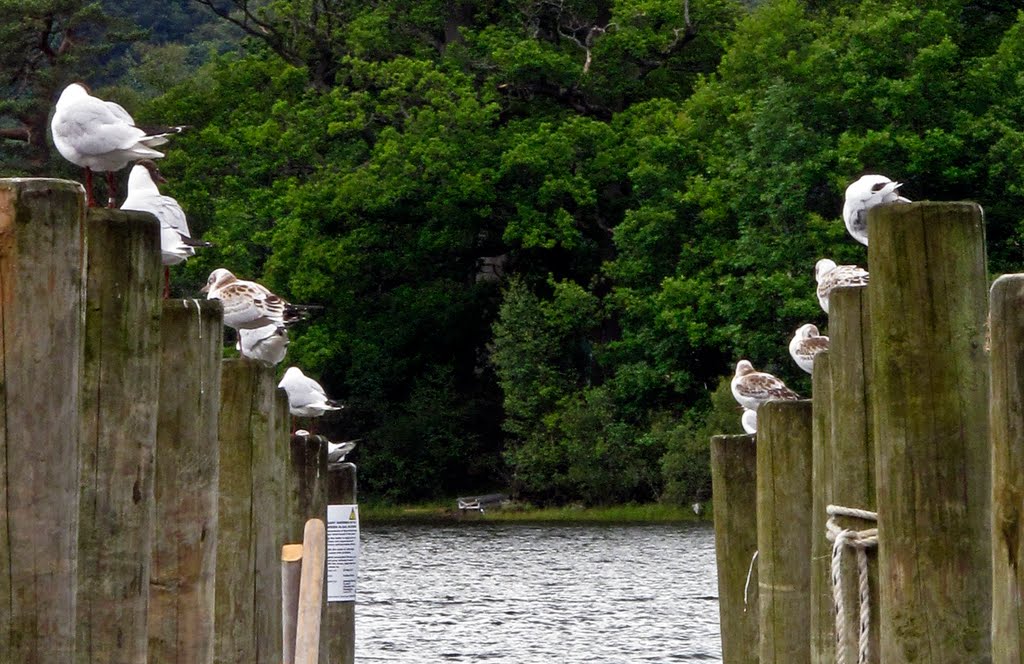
(376, 513)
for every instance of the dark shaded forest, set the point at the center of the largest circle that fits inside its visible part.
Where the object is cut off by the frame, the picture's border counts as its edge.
(543, 230)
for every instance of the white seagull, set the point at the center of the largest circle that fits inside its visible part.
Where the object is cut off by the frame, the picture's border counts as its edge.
(249, 305)
(306, 397)
(267, 344)
(752, 388)
(864, 194)
(176, 243)
(101, 136)
(336, 452)
(805, 344)
(749, 420)
(829, 276)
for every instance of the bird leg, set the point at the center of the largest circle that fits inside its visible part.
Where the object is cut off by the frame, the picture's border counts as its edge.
(111, 190)
(90, 200)
(167, 282)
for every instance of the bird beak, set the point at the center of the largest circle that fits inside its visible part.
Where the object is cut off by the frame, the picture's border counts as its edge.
(205, 289)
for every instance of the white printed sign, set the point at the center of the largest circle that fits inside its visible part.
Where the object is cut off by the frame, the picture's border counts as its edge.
(342, 552)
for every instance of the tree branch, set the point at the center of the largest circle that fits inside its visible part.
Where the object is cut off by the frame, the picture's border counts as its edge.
(16, 134)
(255, 27)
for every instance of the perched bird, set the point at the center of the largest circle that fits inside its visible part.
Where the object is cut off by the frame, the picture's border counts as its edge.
(336, 452)
(306, 398)
(749, 420)
(249, 305)
(805, 344)
(267, 344)
(864, 194)
(752, 388)
(829, 276)
(176, 243)
(101, 136)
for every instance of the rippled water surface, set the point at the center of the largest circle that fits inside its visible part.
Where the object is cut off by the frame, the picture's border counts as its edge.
(521, 594)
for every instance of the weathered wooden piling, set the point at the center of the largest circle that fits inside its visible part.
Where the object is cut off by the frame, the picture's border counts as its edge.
(930, 407)
(307, 483)
(250, 516)
(182, 576)
(1006, 412)
(734, 492)
(340, 617)
(120, 385)
(784, 504)
(42, 291)
(853, 450)
(823, 622)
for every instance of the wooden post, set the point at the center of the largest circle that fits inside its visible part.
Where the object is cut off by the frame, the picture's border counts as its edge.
(291, 573)
(311, 590)
(823, 617)
(1007, 421)
(853, 450)
(120, 385)
(784, 466)
(181, 590)
(307, 480)
(734, 495)
(930, 408)
(250, 514)
(340, 617)
(42, 295)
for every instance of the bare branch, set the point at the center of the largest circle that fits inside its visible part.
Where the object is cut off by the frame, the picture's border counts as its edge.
(254, 26)
(16, 134)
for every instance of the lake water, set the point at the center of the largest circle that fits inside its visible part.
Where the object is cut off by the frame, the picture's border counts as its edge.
(524, 594)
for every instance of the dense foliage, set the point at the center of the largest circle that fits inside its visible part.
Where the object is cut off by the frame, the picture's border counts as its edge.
(545, 230)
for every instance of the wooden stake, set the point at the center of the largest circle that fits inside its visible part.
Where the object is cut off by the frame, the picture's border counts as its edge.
(182, 576)
(311, 589)
(340, 617)
(823, 617)
(42, 295)
(734, 495)
(930, 407)
(120, 387)
(784, 466)
(291, 573)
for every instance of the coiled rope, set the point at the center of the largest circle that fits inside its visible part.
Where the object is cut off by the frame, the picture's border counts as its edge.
(860, 541)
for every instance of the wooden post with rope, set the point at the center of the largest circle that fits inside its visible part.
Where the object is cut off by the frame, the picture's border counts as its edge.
(340, 617)
(734, 493)
(251, 516)
(1007, 421)
(823, 622)
(853, 457)
(928, 304)
(42, 278)
(182, 576)
(120, 384)
(784, 467)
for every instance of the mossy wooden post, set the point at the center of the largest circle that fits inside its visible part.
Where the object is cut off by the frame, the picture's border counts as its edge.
(250, 514)
(823, 621)
(930, 406)
(784, 467)
(734, 495)
(307, 478)
(340, 617)
(182, 581)
(42, 295)
(1007, 421)
(120, 384)
(853, 449)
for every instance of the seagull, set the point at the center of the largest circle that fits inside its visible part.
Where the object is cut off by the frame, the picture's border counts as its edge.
(753, 388)
(749, 420)
(864, 194)
(829, 276)
(306, 397)
(249, 305)
(336, 452)
(101, 136)
(805, 344)
(176, 243)
(267, 344)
